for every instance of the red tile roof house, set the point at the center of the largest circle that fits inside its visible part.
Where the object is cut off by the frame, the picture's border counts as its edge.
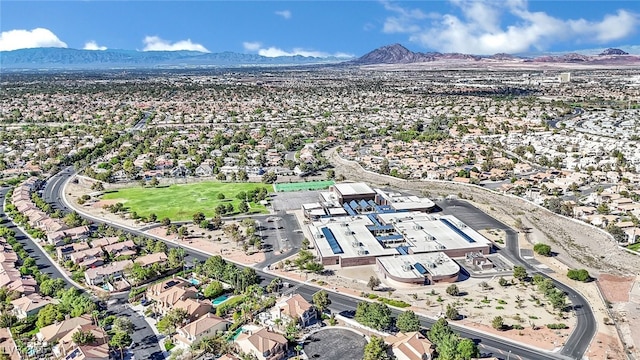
(99, 275)
(74, 234)
(167, 293)
(149, 260)
(88, 258)
(125, 248)
(208, 325)
(64, 252)
(295, 307)
(265, 345)
(29, 305)
(97, 350)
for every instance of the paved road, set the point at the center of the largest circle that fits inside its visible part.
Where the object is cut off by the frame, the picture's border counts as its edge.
(44, 264)
(148, 347)
(146, 341)
(339, 302)
(585, 328)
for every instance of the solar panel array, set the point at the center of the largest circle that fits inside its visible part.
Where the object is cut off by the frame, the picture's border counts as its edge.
(331, 239)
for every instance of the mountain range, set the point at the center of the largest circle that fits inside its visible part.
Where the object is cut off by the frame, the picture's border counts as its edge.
(398, 54)
(65, 58)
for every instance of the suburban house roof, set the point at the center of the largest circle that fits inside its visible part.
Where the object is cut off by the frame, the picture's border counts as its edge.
(108, 269)
(58, 330)
(151, 259)
(264, 340)
(413, 345)
(30, 302)
(193, 306)
(202, 325)
(8, 345)
(295, 306)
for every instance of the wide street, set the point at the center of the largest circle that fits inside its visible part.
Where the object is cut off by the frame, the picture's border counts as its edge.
(585, 329)
(339, 302)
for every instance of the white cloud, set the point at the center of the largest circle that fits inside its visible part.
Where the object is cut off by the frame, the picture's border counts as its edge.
(275, 52)
(155, 43)
(92, 45)
(476, 27)
(24, 39)
(251, 45)
(286, 14)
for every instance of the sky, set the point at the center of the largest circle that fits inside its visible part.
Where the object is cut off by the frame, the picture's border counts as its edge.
(322, 27)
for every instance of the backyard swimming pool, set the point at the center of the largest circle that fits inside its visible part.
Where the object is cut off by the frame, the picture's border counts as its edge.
(219, 300)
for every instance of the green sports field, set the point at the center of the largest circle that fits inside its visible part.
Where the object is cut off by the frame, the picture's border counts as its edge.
(303, 186)
(181, 201)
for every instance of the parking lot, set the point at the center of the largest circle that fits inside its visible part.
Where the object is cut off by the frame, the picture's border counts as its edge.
(284, 201)
(335, 344)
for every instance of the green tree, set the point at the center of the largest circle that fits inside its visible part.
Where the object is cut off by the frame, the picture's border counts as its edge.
(374, 315)
(453, 290)
(321, 300)
(452, 312)
(198, 218)
(83, 337)
(50, 287)
(375, 349)
(152, 217)
(408, 321)
(519, 272)
(120, 340)
(168, 324)
(373, 282)
(73, 219)
(439, 330)
(542, 249)
(48, 315)
(165, 221)
(467, 349)
(243, 207)
(498, 323)
(579, 275)
(214, 289)
(123, 324)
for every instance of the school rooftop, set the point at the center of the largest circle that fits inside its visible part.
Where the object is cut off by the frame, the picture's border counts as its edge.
(367, 226)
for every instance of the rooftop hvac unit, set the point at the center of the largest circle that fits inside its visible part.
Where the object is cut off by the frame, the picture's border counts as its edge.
(355, 243)
(417, 227)
(406, 266)
(362, 251)
(441, 247)
(429, 237)
(461, 225)
(432, 265)
(348, 232)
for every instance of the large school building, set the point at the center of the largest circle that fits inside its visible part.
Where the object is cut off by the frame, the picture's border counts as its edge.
(400, 234)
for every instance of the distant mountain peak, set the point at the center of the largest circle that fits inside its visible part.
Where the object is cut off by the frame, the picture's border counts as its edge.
(613, 51)
(398, 54)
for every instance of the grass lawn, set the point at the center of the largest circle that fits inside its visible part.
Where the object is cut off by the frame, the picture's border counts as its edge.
(181, 201)
(634, 247)
(303, 185)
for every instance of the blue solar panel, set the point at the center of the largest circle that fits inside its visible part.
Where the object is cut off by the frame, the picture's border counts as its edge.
(403, 250)
(420, 268)
(363, 204)
(373, 219)
(379, 227)
(335, 247)
(354, 205)
(349, 209)
(457, 231)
